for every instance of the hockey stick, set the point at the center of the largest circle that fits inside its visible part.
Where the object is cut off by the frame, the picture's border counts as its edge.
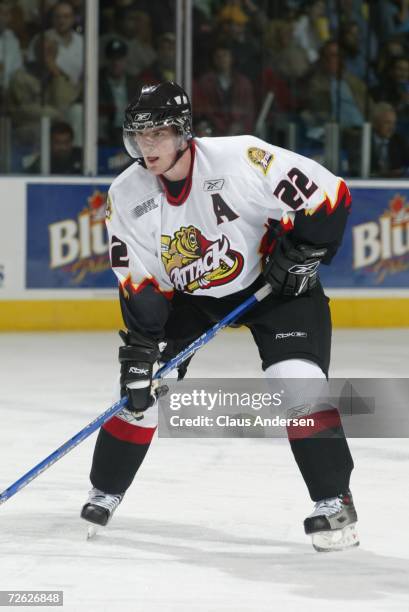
(118, 406)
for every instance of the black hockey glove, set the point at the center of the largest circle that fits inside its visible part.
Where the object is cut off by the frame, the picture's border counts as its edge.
(137, 358)
(292, 269)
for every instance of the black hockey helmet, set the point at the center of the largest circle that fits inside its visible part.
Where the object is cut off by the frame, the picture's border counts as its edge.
(163, 105)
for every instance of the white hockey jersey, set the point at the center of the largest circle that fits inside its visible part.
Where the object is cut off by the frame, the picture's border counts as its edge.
(209, 240)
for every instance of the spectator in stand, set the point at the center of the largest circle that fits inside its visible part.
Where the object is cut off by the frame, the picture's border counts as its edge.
(225, 97)
(389, 150)
(65, 158)
(394, 47)
(287, 59)
(352, 40)
(31, 18)
(18, 24)
(10, 52)
(333, 93)
(116, 88)
(235, 31)
(354, 21)
(39, 89)
(70, 53)
(132, 27)
(394, 87)
(69, 60)
(283, 105)
(287, 56)
(165, 66)
(251, 9)
(312, 29)
(271, 81)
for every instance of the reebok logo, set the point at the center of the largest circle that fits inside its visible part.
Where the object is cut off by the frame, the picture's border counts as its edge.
(142, 116)
(310, 268)
(133, 370)
(294, 334)
(213, 185)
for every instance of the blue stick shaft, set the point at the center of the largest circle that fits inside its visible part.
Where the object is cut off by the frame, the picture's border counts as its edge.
(118, 406)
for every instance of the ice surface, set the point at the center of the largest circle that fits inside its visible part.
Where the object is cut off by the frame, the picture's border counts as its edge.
(208, 525)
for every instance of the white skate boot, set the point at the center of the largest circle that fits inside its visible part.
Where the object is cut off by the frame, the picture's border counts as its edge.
(99, 508)
(332, 524)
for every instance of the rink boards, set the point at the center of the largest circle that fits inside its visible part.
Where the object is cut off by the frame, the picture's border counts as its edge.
(55, 273)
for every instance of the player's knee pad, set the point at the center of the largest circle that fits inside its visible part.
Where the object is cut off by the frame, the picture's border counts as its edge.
(301, 383)
(294, 368)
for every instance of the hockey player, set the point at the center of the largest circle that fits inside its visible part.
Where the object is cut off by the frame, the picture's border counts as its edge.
(195, 227)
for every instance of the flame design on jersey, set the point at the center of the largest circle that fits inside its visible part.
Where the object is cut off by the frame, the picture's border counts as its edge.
(130, 288)
(193, 262)
(343, 196)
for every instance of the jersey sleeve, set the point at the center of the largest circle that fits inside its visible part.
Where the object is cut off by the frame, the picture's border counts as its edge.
(314, 203)
(145, 305)
(324, 225)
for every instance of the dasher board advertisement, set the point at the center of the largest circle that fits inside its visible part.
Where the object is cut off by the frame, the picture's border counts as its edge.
(375, 248)
(67, 242)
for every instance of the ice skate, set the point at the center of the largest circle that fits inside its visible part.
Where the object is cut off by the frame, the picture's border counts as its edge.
(332, 524)
(99, 509)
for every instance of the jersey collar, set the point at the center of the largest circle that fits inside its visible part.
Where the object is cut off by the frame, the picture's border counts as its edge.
(184, 194)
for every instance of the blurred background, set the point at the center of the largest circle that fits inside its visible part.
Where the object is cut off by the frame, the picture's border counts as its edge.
(326, 78)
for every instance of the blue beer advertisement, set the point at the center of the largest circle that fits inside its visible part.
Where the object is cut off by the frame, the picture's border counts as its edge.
(375, 248)
(67, 242)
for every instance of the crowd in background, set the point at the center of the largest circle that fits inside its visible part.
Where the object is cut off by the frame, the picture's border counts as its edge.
(322, 61)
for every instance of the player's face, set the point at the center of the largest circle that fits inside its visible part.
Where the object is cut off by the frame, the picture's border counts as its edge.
(159, 147)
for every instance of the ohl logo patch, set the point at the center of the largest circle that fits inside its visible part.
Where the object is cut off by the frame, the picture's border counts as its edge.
(193, 262)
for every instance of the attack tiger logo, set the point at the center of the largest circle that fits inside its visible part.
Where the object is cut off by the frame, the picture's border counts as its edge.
(193, 262)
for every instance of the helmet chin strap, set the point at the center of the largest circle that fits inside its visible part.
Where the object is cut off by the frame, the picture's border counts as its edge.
(179, 155)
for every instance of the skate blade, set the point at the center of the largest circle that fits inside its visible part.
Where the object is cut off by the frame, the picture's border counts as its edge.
(92, 531)
(339, 539)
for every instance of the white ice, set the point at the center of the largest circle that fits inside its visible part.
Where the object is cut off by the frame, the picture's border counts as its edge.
(209, 524)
